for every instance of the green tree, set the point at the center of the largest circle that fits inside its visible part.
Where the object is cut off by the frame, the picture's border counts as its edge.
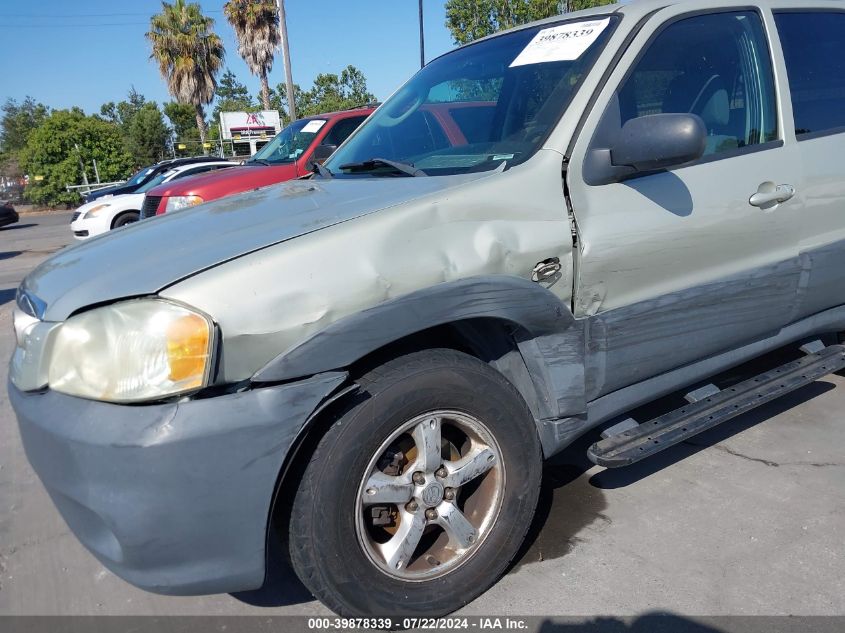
(332, 92)
(232, 96)
(279, 99)
(142, 126)
(182, 118)
(16, 125)
(256, 25)
(63, 145)
(189, 55)
(468, 20)
(18, 122)
(147, 134)
(122, 113)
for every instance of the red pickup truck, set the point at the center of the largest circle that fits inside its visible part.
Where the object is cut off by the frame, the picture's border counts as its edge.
(289, 155)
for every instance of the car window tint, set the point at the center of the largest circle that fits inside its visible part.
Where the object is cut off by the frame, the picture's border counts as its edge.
(342, 129)
(814, 47)
(716, 66)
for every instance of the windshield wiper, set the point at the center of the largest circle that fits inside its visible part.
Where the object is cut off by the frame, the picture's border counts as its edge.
(375, 163)
(258, 161)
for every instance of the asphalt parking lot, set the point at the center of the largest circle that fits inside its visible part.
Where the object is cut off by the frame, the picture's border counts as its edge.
(747, 519)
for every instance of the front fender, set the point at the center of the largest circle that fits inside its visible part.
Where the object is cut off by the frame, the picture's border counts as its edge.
(526, 304)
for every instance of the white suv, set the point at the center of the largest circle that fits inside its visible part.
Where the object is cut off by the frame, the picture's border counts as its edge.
(111, 212)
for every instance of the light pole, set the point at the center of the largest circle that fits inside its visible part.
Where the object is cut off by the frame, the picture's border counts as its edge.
(283, 31)
(422, 37)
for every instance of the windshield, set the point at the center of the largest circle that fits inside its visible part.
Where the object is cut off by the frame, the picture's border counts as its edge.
(289, 144)
(480, 105)
(153, 182)
(139, 177)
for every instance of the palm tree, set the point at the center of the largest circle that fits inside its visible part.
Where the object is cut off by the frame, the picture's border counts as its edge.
(256, 25)
(189, 54)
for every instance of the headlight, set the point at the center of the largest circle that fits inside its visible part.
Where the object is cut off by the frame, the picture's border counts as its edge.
(174, 203)
(131, 351)
(95, 211)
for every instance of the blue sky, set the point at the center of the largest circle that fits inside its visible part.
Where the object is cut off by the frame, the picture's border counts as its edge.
(85, 53)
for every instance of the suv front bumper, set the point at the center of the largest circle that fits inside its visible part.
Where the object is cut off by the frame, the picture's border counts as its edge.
(174, 498)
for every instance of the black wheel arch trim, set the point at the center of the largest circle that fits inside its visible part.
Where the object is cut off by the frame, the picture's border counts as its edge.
(545, 364)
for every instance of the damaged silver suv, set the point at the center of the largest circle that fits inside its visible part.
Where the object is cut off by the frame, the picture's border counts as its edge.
(539, 232)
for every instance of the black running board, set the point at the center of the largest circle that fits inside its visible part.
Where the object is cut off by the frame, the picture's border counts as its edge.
(630, 445)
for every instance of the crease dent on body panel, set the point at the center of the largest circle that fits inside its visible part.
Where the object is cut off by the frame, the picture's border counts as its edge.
(493, 246)
(591, 306)
(157, 432)
(573, 227)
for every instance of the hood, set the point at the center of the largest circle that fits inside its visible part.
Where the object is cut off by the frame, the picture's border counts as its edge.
(223, 182)
(97, 197)
(145, 257)
(94, 195)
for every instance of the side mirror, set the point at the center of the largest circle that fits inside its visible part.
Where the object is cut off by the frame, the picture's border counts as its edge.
(648, 143)
(321, 153)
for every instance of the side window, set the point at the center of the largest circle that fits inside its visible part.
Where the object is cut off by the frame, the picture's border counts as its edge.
(814, 47)
(716, 66)
(342, 129)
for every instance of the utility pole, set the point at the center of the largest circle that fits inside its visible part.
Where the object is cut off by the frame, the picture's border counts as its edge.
(283, 31)
(422, 37)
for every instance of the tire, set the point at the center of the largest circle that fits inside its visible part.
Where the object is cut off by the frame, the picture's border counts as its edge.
(126, 218)
(337, 545)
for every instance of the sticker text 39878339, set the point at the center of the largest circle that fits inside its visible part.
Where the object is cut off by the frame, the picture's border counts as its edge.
(566, 42)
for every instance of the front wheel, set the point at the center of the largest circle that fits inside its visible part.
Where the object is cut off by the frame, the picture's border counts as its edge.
(126, 218)
(418, 497)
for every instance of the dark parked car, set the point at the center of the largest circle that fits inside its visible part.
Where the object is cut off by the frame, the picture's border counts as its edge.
(8, 215)
(11, 193)
(143, 176)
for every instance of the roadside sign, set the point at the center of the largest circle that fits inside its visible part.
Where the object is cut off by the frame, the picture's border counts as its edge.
(39, 178)
(181, 146)
(238, 125)
(206, 145)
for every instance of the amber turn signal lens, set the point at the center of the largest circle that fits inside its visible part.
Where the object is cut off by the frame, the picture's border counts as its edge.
(187, 350)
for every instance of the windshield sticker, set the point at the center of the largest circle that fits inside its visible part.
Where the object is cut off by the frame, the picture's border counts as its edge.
(313, 126)
(561, 43)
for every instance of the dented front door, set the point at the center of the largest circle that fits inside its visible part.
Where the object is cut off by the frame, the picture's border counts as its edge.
(683, 264)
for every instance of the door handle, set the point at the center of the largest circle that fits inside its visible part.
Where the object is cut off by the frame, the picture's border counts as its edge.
(546, 269)
(770, 194)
